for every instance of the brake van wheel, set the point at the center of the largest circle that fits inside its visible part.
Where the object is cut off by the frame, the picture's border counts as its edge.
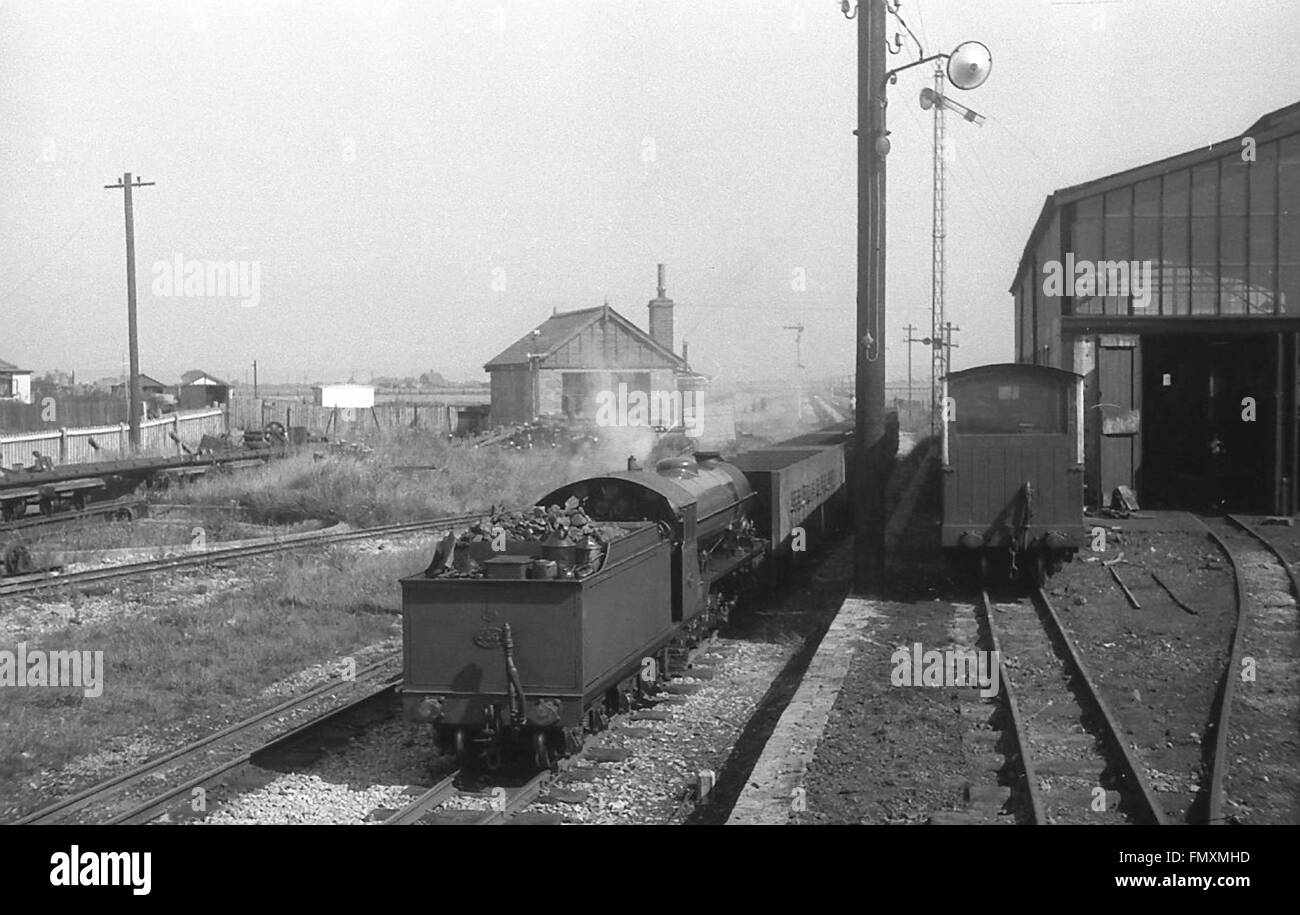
(1039, 569)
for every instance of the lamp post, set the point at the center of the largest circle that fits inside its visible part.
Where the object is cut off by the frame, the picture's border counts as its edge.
(967, 68)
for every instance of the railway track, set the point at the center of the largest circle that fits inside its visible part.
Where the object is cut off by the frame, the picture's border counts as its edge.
(1076, 764)
(113, 801)
(26, 584)
(505, 804)
(1255, 776)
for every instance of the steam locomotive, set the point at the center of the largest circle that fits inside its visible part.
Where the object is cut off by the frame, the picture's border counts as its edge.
(539, 642)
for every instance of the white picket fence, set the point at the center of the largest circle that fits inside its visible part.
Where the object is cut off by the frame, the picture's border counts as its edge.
(72, 446)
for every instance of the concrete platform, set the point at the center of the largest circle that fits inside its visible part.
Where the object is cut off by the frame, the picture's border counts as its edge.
(772, 789)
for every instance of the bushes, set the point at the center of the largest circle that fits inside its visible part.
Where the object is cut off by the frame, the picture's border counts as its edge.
(371, 491)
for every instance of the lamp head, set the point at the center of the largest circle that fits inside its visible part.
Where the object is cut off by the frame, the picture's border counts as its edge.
(969, 65)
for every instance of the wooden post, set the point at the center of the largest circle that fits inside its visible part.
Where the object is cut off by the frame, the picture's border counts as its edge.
(869, 344)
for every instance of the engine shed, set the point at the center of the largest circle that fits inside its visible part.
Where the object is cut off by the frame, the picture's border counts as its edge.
(1173, 288)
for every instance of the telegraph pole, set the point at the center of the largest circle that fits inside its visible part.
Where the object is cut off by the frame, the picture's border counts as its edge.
(948, 345)
(133, 383)
(911, 329)
(798, 362)
(869, 508)
(936, 257)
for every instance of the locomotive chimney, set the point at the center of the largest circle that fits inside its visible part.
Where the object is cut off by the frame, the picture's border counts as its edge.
(661, 315)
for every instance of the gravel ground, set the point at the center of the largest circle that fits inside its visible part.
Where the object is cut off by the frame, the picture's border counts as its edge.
(656, 783)
(393, 760)
(304, 680)
(346, 784)
(890, 754)
(1158, 668)
(30, 617)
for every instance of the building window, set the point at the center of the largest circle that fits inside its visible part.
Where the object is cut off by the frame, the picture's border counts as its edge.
(1205, 242)
(1234, 269)
(574, 394)
(1146, 242)
(1263, 230)
(6, 386)
(1086, 245)
(1175, 293)
(1117, 241)
(1288, 246)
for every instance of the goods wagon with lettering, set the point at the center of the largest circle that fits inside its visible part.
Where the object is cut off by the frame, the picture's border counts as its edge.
(800, 493)
(1013, 466)
(530, 629)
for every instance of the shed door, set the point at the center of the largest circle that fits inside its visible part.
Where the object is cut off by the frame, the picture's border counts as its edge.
(1119, 383)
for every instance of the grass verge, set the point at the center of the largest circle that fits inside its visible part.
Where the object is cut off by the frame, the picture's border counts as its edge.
(195, 660)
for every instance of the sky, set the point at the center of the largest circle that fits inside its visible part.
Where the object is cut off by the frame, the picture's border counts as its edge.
(415, 185)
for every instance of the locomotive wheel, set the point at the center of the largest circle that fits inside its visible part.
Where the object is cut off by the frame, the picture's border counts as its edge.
(541, 753)
(275, 432)
(459, 745)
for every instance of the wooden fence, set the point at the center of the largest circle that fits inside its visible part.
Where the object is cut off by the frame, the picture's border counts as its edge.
(350, 423)
(73, 446)
(46, 414)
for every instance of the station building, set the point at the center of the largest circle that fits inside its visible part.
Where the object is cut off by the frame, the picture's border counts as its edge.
(1174, 289)
(559, 368)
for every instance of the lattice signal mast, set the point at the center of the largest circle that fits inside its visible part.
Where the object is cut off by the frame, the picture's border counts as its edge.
(939, 357)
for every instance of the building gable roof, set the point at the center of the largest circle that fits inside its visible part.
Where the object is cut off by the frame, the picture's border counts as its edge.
(198, 376)
(12, 369)
(559, 329)
(1278, 122)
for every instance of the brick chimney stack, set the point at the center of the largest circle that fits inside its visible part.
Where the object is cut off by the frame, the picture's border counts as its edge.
(661, 315)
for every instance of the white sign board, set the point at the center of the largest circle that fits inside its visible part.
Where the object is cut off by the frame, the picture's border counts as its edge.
(355, 396)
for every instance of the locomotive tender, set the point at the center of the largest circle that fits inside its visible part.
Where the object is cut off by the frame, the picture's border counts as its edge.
(1013, 465)
(520, 659)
